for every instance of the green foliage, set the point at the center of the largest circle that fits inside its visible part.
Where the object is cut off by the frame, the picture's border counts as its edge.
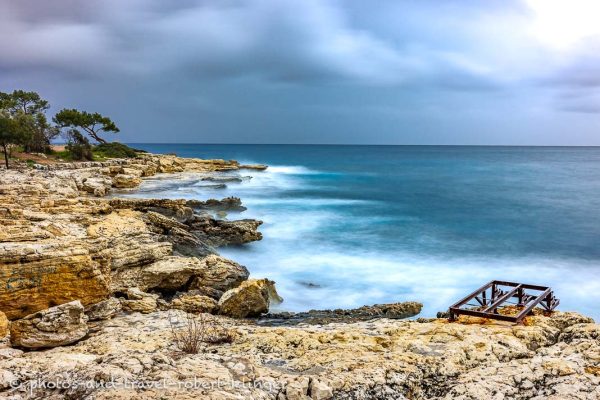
(10, 134)
(29, 107)
(78, 146)
(91, 123)
(25, 102)
(114, 150)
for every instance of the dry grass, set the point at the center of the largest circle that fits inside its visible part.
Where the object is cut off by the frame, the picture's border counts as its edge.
(191, 331)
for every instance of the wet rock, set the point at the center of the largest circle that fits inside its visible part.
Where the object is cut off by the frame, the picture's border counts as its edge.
(56, 326)
(226, 178)
(220, 233)
(250, 299)
(105, 309)
(193, 302)
(257, 167)
(226, 204)
(394, 311)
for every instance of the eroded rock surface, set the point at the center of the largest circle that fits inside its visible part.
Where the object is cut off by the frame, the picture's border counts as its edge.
(56, 326)
(547, 358)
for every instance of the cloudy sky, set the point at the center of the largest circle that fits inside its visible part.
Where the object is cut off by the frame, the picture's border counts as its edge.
(315, 71)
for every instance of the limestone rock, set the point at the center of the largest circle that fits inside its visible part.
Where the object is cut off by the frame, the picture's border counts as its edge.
(41, 275)
(218, 276)
(298, 389)
(105, 309)
(123, 181)
(221, 233)
(250, 299)
(192, 302)
(3, 325)
(140, 301)
(98, 185)
(320, 390)
(213, 275)
(56, 326)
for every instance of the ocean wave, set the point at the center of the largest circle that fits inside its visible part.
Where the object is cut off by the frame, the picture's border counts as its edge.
(291, 170)
(344, 278)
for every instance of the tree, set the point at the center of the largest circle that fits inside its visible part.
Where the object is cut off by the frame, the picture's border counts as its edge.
(92, 124)
(78, 146)
(20, 104)
(10, 134)
(41, 136)
(21, 101)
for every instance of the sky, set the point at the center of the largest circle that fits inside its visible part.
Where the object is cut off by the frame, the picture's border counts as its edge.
(510, 72)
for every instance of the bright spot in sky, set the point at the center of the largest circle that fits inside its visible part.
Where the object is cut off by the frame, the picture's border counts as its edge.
(562, 23)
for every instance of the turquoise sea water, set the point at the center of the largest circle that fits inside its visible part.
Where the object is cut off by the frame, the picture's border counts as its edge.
(346, 226)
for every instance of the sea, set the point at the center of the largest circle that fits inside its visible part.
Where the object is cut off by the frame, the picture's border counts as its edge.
(347, 226)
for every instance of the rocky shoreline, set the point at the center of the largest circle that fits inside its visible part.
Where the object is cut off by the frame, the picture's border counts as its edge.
(91, 286)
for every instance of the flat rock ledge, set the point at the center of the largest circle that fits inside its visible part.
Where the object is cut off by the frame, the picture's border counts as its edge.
(547, 358)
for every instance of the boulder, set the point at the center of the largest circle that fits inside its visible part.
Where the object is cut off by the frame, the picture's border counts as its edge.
(97, 185)
(218, 276)
(193, 302)
(3, 325)
(213, 275)
(123, 181)
(105, 309)
(56, 326)
(140, 301)
(250, 299)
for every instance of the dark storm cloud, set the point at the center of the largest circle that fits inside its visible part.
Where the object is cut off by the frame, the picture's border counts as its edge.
(282, 71)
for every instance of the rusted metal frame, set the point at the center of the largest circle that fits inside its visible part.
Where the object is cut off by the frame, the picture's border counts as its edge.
(502, 299)
(482, 314)
(531, 305)
(524, 285)
(472, 295)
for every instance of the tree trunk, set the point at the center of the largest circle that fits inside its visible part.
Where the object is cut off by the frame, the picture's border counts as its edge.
(5, 154)
(97, 138)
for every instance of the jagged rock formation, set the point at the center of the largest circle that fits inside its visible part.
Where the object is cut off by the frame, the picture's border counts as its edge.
(62, 243)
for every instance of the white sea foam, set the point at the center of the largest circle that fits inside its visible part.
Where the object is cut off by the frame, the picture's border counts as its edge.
(295, 251)
(291, 170)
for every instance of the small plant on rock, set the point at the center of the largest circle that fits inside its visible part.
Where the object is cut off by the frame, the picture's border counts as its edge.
(191, 331)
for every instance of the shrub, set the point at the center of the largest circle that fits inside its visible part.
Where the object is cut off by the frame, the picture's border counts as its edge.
(115, 150)
(192, 331)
